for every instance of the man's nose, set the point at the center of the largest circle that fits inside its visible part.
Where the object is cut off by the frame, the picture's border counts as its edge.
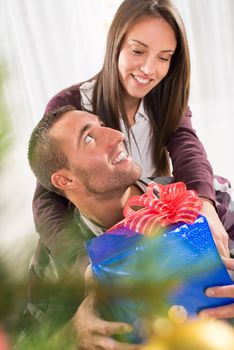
(112, 136)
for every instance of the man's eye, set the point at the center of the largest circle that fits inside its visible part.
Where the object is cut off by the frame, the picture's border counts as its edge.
(88, 138)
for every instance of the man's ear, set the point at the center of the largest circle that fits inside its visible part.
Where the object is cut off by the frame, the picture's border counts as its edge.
(64, 180)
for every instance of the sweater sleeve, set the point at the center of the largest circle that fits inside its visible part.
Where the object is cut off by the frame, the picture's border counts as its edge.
(69, 96)
(189, 159)
(53, 214)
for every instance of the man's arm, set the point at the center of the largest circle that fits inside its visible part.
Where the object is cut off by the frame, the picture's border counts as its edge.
(57, 311)
(93, 333)
(90, 330)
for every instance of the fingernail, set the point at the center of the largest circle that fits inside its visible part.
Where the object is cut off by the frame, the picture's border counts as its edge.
(210, 292)
(203, 314)
(127, 329)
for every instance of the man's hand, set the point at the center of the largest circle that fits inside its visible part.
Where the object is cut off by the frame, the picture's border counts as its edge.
(226, 311)
(94, 333)
(216, 227)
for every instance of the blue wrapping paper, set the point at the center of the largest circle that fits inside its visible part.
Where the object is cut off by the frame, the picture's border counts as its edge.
(184, 252)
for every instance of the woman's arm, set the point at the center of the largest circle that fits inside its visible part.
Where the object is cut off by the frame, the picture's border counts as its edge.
(190, 165)
(189, 159)
(59, 233)
(53, 214)
(69, 96)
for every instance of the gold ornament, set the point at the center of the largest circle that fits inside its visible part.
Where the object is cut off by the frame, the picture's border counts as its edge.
(177, 314)
(193, 334)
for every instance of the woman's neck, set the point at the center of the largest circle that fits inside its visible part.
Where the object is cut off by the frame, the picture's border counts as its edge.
(132, 105)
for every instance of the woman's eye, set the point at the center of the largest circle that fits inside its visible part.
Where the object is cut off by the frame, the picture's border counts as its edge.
(88, 138)
(164, 59)
(137, 52)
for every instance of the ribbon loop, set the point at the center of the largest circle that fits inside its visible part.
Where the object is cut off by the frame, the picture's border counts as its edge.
(174, 204)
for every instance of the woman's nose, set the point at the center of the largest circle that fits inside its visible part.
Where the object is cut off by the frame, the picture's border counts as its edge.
(148, 67)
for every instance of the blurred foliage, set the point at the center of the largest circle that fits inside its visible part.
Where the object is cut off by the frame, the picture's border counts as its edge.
(13, 298)
(59, 341)
(12, 293)
(4, 119)
(14, 280)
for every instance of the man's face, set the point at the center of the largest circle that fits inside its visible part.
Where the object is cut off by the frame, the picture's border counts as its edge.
(96, 154)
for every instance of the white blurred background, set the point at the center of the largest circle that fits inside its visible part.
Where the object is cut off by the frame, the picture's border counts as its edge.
(48, 45)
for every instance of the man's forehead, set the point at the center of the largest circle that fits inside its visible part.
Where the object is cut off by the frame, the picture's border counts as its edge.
(74, 120)
(81, 116)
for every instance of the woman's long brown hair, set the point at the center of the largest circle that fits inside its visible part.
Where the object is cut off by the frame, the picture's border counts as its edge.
(167, 102)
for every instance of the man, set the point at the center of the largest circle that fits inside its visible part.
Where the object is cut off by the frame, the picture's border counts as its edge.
(72, 153)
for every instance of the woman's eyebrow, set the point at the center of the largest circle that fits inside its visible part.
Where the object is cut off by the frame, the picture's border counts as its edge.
(138, 42)
(143, 44)
(168, 51)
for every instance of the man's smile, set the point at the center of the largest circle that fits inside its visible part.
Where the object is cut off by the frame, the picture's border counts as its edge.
(121, 156)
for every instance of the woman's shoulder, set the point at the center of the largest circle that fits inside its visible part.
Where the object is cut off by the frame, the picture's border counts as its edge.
(77, 95)
(67, 96)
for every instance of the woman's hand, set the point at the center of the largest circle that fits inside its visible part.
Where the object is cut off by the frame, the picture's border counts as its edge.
(226, 311)
(216, 227)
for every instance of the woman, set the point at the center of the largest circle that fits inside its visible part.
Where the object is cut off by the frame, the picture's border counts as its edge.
(143, 90)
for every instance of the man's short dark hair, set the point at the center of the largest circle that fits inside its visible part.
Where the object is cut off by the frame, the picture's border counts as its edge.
(45, 154)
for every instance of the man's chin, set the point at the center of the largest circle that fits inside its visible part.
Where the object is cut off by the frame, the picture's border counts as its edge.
(137, 170)
(120, 182)
(133, 175)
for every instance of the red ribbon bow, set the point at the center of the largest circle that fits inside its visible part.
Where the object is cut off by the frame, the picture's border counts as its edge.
(175, 203)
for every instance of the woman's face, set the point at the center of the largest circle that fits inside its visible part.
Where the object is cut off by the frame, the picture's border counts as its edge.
(145, 56)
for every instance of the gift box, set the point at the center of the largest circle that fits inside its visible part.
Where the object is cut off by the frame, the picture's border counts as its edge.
(164, 251)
